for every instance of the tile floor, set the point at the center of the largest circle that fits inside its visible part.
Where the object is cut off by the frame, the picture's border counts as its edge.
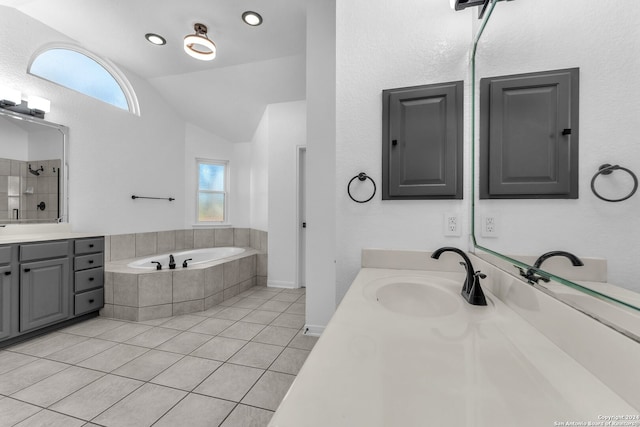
(229, 366)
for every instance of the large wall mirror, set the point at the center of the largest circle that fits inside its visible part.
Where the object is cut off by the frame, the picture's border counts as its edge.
(602, 40)
(33, 172)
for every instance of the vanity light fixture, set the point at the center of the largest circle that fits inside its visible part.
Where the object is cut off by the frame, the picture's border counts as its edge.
(156, 39)
(11, 99)
(252, 18)
(38, 104)
(198, 45)
(9, 96)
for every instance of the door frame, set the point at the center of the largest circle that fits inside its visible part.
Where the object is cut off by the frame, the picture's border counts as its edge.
(301, 150)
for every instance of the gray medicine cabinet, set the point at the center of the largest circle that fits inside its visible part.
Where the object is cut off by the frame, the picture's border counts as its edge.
(422, 142)
(529, 135)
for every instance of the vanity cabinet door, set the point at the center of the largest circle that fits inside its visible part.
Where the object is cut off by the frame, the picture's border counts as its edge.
(5, 301)
(44, 293)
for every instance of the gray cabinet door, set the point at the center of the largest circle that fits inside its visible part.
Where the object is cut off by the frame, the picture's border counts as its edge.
(44, 293)
(5, 301)
(422, 142)
(529, 135)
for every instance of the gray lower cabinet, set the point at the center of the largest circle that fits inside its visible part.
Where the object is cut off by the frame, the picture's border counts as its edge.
(88, 275)
(45, 283)
(44, 293)
(6, 278)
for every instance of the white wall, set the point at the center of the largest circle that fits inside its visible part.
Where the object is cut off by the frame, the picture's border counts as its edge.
(545, 35)
(202, 144)
(381, 45)
(14, 141)
(45, 144)
(112, 153)
(321, 164)
(259, 191)
(287, 129)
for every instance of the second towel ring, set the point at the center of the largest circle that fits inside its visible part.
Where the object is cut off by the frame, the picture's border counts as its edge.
(607, 169)
(362, 177)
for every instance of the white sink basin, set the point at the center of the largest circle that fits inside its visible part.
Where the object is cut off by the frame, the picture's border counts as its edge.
(415, 296)
(417, 299)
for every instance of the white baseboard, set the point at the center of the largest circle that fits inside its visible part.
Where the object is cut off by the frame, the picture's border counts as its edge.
(313, 330)
(281, 284)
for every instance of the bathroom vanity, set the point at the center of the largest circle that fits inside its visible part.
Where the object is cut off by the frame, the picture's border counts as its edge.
(48, 279)
(405, 349)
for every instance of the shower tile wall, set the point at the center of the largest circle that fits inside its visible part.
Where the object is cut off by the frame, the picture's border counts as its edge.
(21, 191)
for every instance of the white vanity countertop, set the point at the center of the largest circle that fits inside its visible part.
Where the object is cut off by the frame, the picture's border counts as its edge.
(24, 233)
(480, 366)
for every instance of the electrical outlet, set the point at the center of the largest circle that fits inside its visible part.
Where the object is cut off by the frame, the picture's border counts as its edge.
(451, 225)
(489, 226)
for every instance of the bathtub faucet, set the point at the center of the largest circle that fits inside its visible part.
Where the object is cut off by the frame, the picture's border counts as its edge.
(471, 290)
(184, 263)
(158, 265)
(172, 263)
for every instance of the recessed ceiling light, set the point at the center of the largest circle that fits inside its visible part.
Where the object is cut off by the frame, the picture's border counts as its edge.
(252, 18)
(155, 39)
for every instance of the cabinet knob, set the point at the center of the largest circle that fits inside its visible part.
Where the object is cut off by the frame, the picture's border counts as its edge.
(91, 245)
(7, 273)
(91, 301)
(90, 261)
(26, 270)
(394, 142)
(91, 279)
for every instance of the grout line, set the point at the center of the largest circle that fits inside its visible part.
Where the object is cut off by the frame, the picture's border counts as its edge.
(183, 356)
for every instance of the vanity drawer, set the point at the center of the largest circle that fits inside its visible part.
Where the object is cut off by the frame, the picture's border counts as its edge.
(88, 301)
(5, 254)
(88, 261)
(44, 250)
(87, 246)
(88, 279)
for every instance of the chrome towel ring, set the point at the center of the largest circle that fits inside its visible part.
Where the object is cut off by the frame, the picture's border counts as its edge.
(362, 177)
(608, 169)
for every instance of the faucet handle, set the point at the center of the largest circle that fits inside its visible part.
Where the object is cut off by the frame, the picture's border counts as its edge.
(480, 274)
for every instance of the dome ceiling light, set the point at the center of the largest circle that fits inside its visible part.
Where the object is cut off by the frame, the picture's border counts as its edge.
(156, 39)
(252, 18)
(198, 45)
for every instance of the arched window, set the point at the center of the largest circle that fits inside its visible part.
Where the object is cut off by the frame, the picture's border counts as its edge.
(84, 72)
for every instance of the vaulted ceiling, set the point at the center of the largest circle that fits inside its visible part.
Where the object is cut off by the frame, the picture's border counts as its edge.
(254, 66)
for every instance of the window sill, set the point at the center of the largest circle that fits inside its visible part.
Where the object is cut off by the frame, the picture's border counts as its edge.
(212, 225)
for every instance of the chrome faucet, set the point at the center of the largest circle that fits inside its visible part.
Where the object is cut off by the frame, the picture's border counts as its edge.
(471, 290)
(172, 263)
(531, 275)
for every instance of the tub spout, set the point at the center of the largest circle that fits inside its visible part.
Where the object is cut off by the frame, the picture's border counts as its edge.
(158, 265)
(184, 263)
(172, 263)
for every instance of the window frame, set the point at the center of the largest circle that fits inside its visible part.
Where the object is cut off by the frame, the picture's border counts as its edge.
(109, 67)
(225, 192)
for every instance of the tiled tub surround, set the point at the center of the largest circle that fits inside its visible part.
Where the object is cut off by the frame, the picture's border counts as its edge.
(526, 359)
(228, 366)
(22, 191)
(134, 294)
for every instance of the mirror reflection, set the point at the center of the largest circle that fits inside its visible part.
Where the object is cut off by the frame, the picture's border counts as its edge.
(31, 170)
(601, 40)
